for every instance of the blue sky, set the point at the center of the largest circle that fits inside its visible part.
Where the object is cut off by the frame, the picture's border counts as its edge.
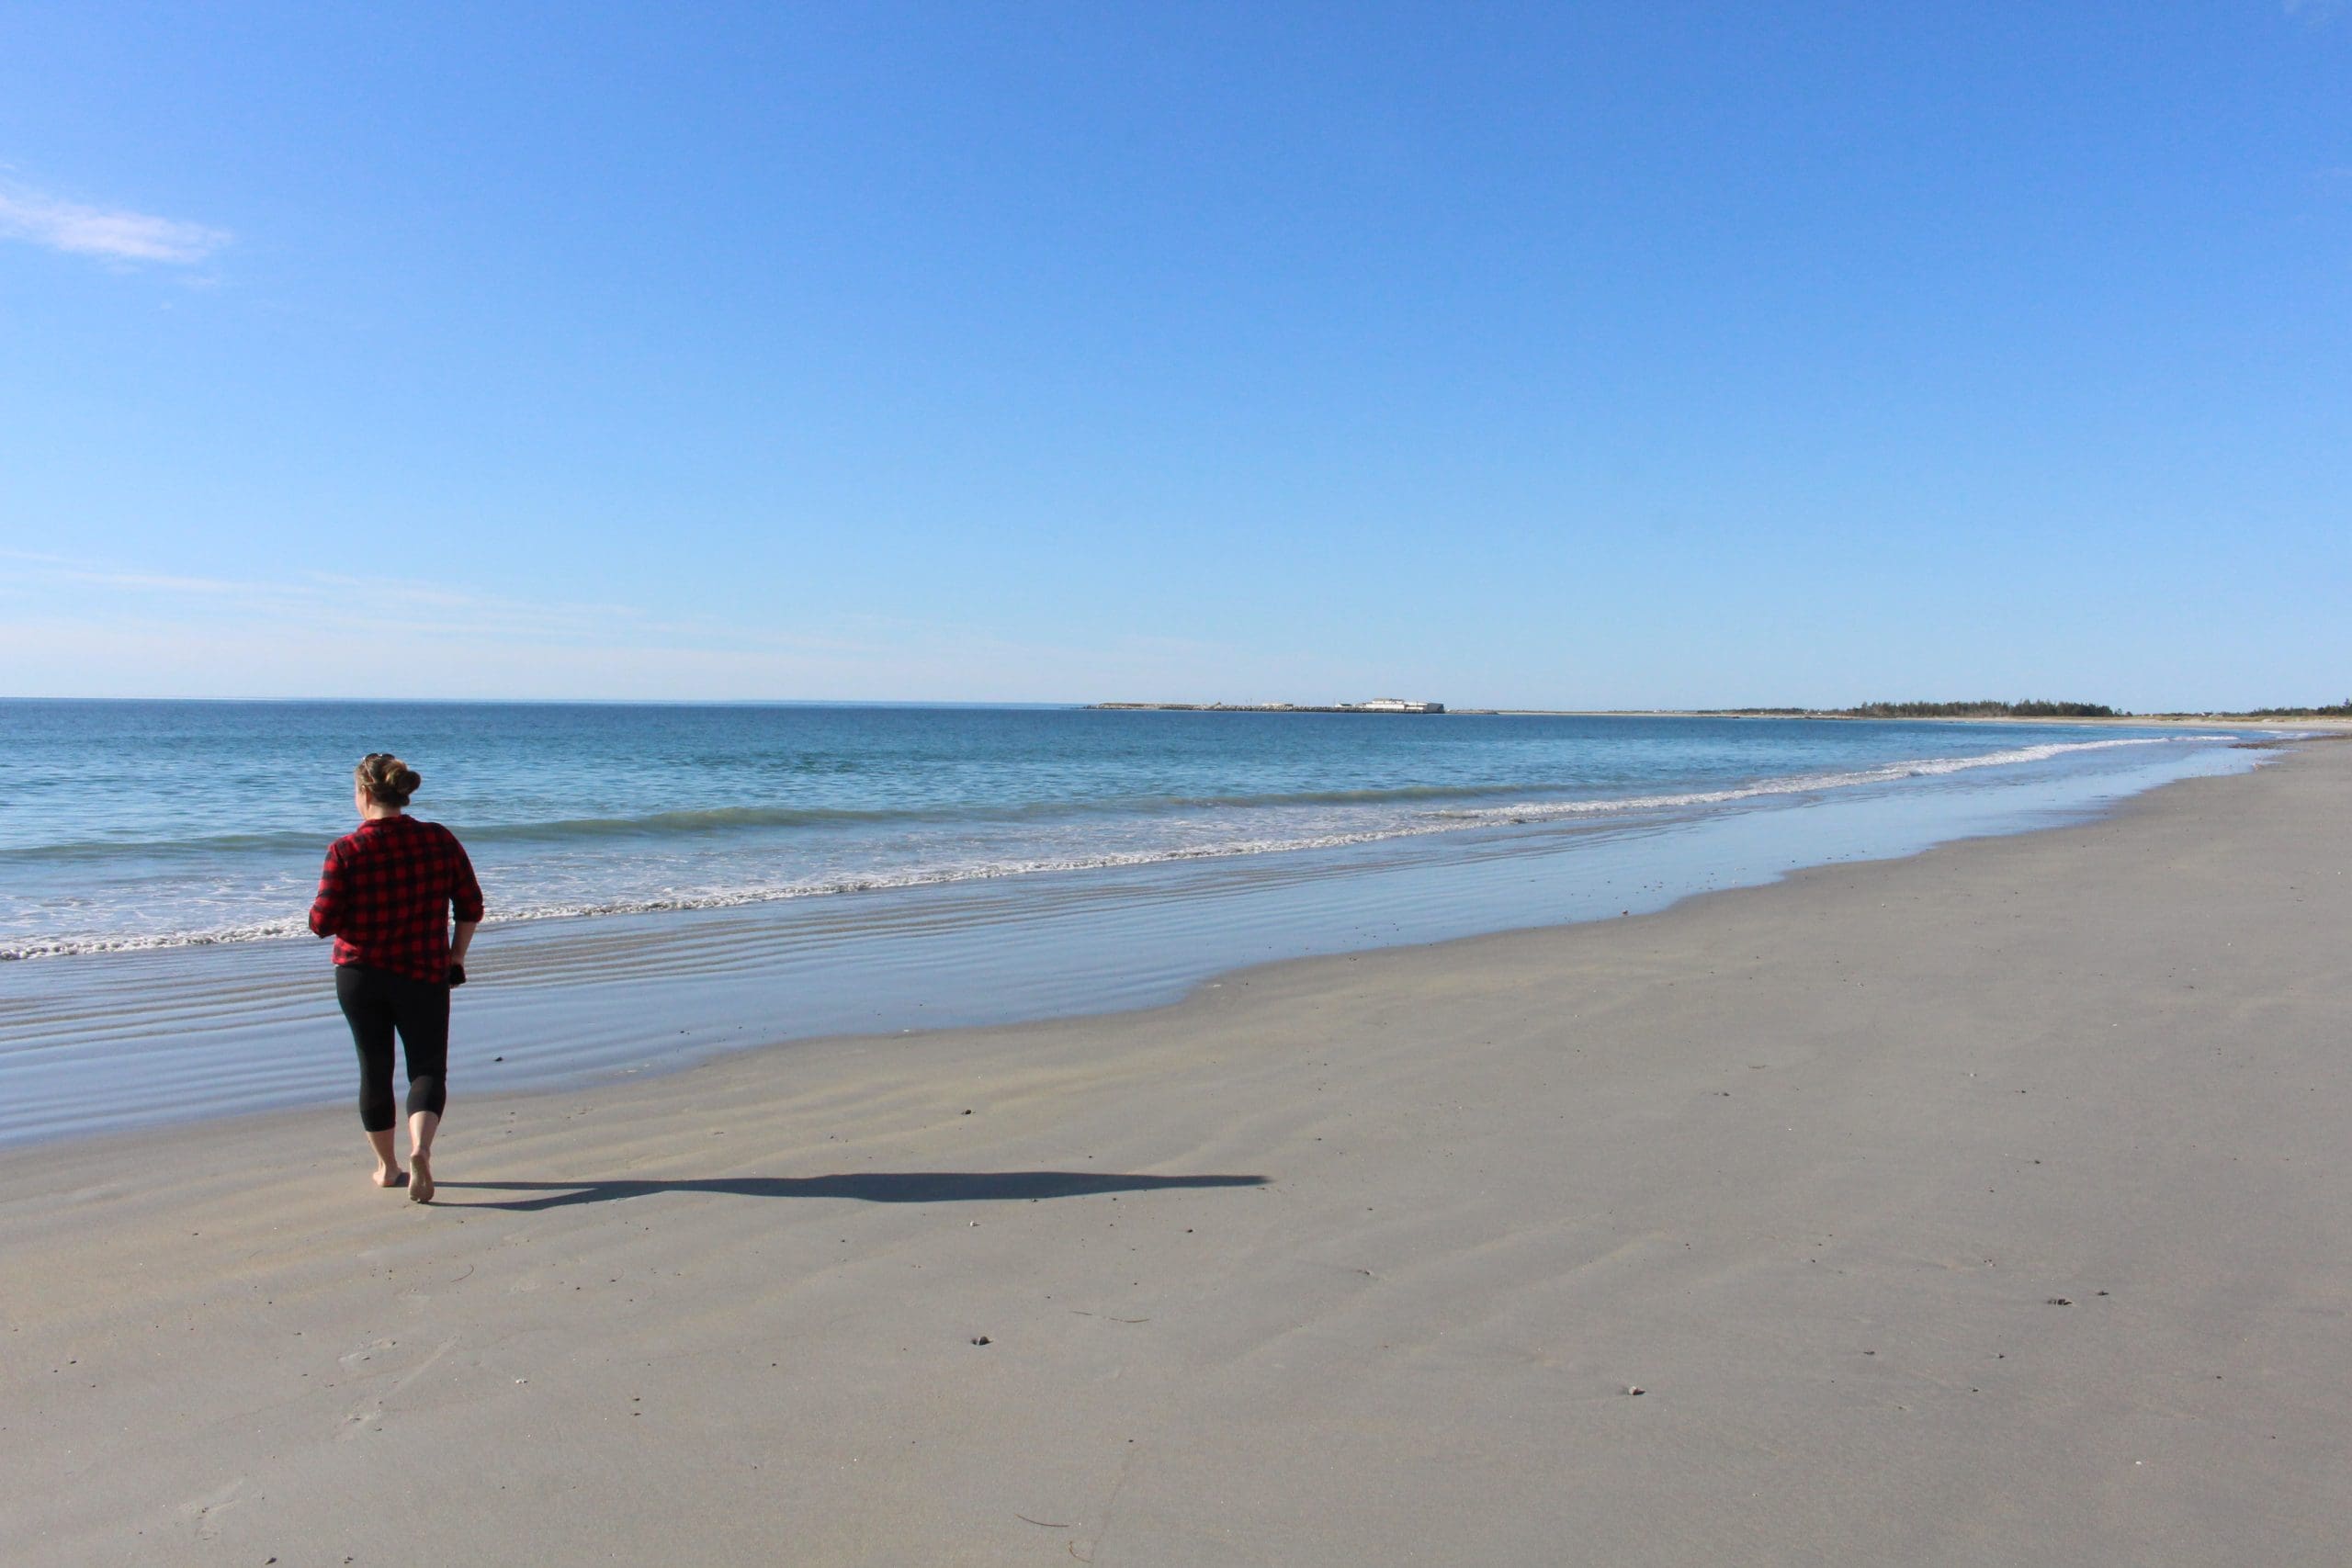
(1608, 355)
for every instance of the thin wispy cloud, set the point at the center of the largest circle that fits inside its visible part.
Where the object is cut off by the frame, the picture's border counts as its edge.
(76, 627)
(363, 607)
(113, 234)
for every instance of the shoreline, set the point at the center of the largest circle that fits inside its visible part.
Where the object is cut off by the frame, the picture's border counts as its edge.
(567, 1003)
(613, 1081)
(1344, 1259)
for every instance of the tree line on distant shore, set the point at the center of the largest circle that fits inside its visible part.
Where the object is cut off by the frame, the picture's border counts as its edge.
(2341, 710)
(2031, 708)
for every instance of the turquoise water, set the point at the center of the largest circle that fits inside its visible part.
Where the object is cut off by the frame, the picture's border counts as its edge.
(666, 882)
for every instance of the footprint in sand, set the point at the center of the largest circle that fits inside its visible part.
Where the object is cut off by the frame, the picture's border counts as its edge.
(355, 1359)
(207, 1511)
(368, 1414)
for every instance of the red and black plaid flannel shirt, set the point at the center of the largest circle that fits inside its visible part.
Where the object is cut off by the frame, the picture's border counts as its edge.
(386, 896)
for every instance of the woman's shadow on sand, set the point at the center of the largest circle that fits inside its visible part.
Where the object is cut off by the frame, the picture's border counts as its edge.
(870, 1187)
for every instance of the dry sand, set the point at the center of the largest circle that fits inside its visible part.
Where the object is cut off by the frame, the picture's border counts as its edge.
(1353, 1260)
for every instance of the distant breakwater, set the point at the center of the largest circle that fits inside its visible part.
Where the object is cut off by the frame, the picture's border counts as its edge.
(1378, 704)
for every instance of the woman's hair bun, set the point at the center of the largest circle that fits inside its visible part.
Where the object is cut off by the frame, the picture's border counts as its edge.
(387, 779)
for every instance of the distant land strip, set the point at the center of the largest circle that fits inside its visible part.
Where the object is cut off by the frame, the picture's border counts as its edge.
(2030, 708)
(2035, 709)
(1377, 705)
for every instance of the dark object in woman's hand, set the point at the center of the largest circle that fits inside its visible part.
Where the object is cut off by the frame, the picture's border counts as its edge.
(456, 974)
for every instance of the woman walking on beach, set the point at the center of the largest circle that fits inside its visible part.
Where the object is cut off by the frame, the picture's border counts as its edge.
(386, 896)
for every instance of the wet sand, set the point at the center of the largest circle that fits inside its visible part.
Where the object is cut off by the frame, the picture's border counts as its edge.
(1986, 1207)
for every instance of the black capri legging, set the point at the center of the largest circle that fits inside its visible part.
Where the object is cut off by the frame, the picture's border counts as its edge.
(377, 1003)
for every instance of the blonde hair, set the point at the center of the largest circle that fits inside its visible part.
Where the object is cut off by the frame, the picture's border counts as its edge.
(387, 779)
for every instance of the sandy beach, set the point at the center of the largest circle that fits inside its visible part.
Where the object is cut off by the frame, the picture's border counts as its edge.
(1984, 1207)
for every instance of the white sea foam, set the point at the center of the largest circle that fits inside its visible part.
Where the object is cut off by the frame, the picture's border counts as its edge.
(737, 898)
(1809, 784)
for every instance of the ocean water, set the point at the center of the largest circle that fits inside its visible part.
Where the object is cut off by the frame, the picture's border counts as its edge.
(131, 824)
(664, 881)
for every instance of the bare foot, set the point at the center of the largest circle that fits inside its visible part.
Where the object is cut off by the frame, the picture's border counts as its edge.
(420, 1190)
(387, 1176)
